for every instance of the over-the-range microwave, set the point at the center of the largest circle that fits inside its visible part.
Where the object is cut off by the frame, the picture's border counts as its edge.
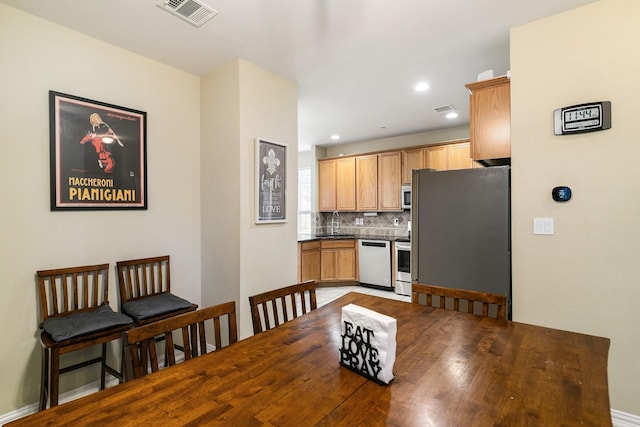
(405, 196)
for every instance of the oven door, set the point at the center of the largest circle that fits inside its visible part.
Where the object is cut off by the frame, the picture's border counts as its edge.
(403, 262)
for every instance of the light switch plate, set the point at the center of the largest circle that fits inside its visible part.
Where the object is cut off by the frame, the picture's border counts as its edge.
(543, 226)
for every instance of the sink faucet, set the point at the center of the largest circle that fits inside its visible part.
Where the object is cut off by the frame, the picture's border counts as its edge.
(335, 215)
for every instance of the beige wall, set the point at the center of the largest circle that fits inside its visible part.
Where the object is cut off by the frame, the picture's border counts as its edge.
(584, 278)
(38, 56)
(241, 258)
(268, 110)
(220, 185)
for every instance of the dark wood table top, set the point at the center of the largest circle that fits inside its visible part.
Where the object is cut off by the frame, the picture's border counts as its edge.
(452, 369)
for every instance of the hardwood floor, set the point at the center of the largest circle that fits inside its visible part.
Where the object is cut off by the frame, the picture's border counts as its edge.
(325, 295)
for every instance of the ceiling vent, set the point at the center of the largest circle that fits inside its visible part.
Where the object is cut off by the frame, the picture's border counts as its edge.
(444, 109)
(192, 11)
(448, 111)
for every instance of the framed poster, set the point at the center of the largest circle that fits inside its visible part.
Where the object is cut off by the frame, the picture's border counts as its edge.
(271, 182)
(98, 155)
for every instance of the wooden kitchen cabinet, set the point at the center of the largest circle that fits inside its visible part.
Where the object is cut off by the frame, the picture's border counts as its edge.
(448, 156)
(367, 183)
(309, 261)
(371, 182)
(336, 185)
(346, 184)
(459, 156)
(389, 177)
(411, 159)
(435, 157)
(490, 119)
(338, 261)
(327, 185)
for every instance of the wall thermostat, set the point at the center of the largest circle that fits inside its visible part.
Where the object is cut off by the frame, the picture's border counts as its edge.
(561, 194)
(582, 118)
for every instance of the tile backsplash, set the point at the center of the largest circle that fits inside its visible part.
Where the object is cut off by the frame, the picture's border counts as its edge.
(358, 224)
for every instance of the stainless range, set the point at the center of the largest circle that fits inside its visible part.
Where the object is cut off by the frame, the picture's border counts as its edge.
(403, 266)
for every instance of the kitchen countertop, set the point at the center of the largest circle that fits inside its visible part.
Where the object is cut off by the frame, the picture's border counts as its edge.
(310, 237)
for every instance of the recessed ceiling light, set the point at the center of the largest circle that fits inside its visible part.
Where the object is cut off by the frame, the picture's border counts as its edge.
(451, 115)
(421, 87)
(335, 137)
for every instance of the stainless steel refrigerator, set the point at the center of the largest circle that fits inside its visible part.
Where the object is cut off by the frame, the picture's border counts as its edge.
(460, 233)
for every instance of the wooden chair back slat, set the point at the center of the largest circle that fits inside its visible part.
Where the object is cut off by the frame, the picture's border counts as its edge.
(294, 305)
(86, 289)
(273, 308)
(483, 300)
(142, 341)
(74, 290)
(216, 332)
(187, 340)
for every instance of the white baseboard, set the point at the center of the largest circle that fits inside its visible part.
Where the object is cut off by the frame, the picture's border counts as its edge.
(623, 419)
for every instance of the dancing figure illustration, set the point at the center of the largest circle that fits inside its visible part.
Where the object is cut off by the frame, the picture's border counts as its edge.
(102, 136)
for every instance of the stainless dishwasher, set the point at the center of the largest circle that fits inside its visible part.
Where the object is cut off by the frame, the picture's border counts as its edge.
(374, 262)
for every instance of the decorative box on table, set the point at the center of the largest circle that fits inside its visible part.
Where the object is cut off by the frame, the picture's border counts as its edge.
(368, 344)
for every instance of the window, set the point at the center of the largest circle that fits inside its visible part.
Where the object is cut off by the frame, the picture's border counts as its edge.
(304, 201)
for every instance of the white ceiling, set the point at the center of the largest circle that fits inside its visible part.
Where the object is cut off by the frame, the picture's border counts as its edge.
(355, 61)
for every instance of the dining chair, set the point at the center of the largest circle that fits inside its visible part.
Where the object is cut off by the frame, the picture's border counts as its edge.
(199, 331)
(75, 313)
(273, 308)
(145, 290)
(481, 303)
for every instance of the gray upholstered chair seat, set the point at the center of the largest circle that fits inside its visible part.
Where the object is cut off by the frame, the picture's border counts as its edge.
(154, 305)
(78, 324)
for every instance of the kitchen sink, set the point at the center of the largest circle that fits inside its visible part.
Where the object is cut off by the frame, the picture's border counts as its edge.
(335, 236)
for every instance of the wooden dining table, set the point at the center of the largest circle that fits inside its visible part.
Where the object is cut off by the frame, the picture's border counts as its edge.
(451, 369)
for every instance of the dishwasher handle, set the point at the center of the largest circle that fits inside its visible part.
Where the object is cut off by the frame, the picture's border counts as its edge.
(374, 244)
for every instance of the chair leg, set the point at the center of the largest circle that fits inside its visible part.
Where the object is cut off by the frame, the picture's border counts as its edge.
(103, 365)
(123, 369)
(55, 377)
(44, 384)
(166, 353)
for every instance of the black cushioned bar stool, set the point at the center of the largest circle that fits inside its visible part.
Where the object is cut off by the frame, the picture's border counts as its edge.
(75, 312)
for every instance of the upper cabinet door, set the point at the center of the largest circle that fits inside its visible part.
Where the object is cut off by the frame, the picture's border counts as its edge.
(490, 119)
(389, 177)
(327, 189)
(367, 183)
(459, 156)
(346, 185)
(435, 157)
(411, 159)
